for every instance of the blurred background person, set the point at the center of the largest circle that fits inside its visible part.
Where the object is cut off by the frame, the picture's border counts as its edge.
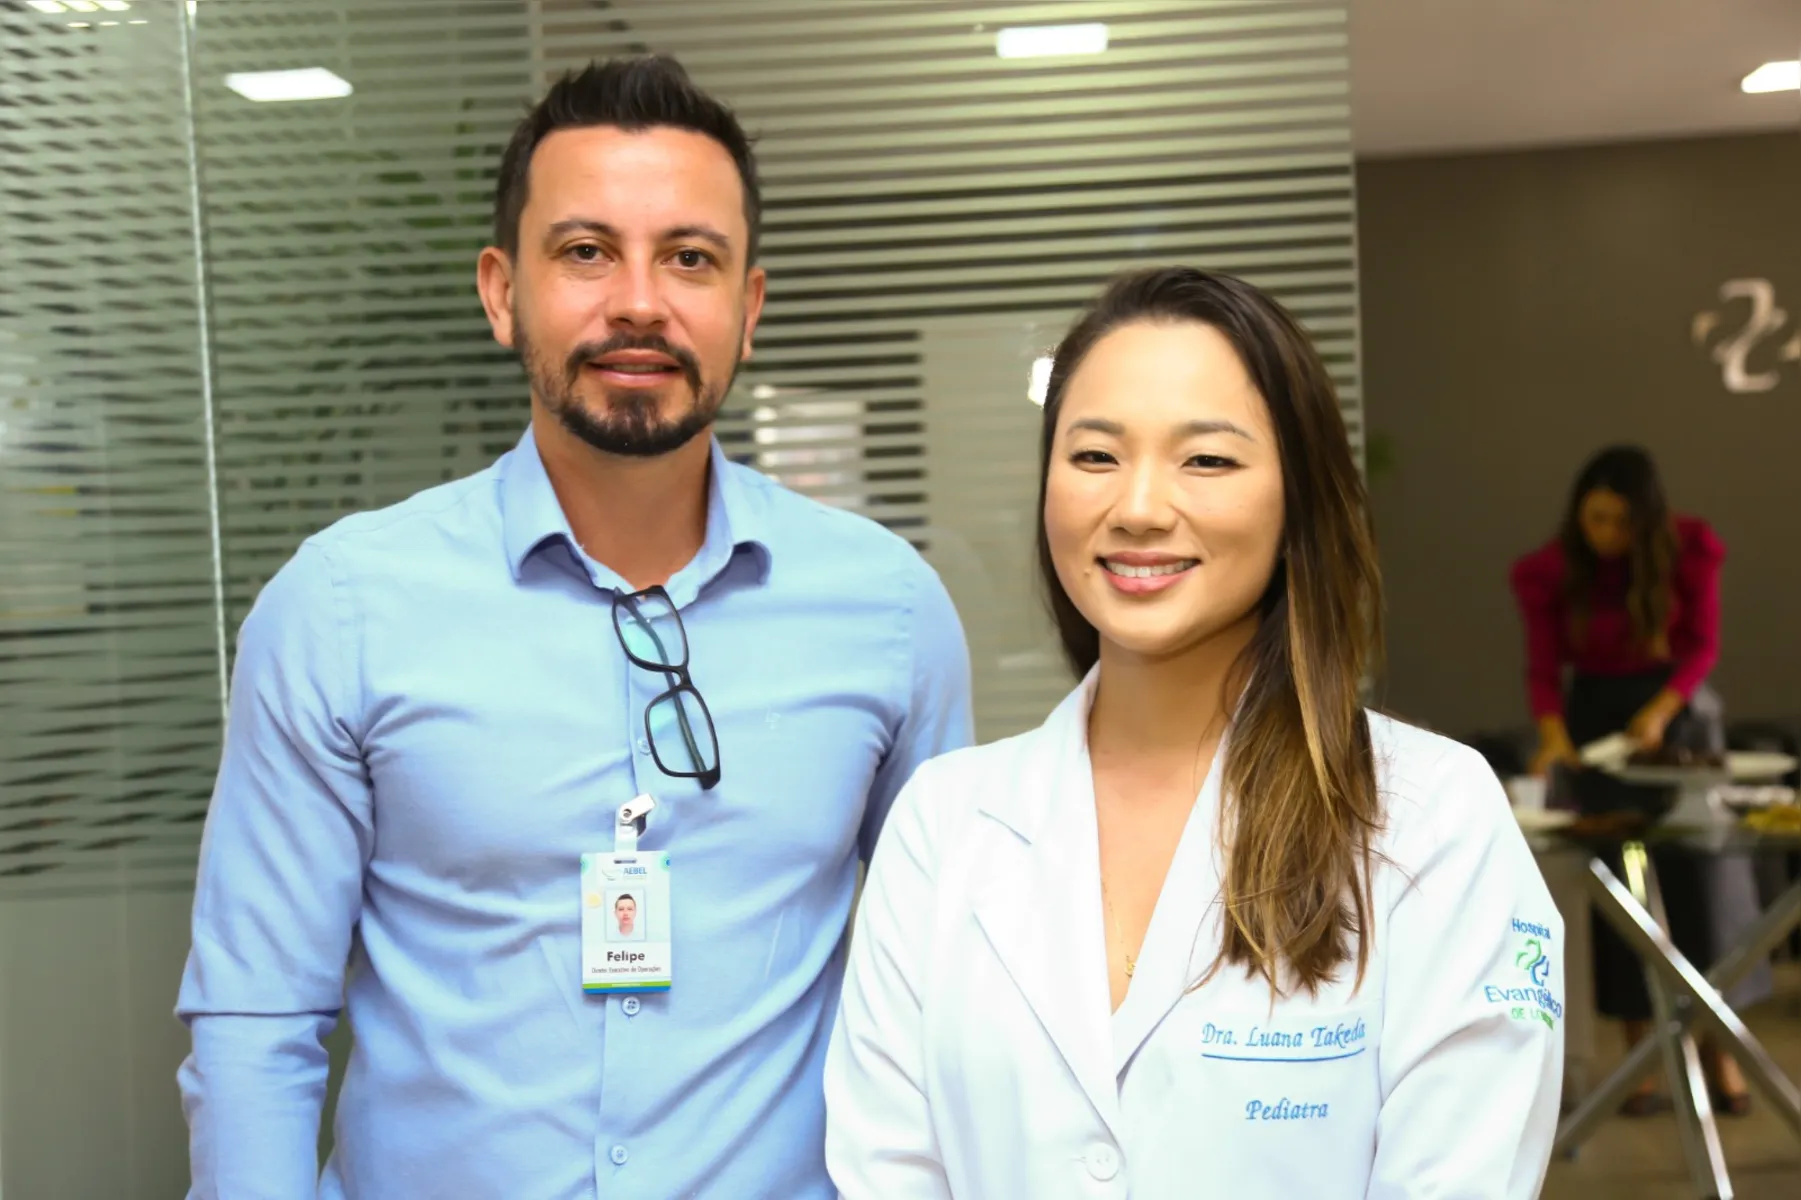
(1622, 617)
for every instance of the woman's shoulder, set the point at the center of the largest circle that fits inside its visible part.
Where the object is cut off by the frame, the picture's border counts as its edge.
(945, 791)
(968, 767)
(1433, 788)
(1409, 755)
(1453, 868)
(1542, 567)
(1696, 541)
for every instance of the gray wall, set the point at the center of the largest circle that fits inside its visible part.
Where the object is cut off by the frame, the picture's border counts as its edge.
(1522, 309)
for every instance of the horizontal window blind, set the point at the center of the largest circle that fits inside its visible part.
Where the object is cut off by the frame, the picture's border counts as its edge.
(935, 215)
(110, 683)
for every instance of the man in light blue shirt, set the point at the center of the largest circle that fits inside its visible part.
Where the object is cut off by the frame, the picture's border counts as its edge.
(434, 716)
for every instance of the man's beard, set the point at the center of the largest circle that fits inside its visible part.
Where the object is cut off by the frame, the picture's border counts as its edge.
(623, 423)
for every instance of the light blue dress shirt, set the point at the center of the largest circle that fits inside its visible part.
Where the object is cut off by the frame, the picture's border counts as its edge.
(431, 720)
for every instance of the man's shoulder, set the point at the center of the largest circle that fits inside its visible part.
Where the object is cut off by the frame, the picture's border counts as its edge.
(445, 512)
(794, 523)
(428, 537)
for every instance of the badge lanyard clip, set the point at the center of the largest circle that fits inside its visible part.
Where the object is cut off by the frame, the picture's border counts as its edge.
(631, 822)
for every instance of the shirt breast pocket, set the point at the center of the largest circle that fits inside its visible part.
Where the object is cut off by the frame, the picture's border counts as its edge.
(1288, 1096)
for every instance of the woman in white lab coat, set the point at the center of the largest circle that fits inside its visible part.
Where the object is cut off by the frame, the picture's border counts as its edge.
(1212, 929)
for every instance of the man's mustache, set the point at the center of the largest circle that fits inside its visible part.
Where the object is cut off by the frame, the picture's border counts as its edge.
(589, 352)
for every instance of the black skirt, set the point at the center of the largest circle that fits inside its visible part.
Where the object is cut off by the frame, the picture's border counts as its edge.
(1711, 899)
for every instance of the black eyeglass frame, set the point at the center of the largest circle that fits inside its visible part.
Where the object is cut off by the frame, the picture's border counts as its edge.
(682, 685)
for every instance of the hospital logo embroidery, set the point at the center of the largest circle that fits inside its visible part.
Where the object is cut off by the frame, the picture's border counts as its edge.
(1533, 962)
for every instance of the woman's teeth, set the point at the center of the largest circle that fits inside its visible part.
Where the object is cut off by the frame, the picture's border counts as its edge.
(1129, 572)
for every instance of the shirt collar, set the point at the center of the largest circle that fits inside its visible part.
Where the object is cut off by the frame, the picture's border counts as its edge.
(1064, 761)
(531, 517)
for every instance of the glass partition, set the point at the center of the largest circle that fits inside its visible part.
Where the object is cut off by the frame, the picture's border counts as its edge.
(238, 305)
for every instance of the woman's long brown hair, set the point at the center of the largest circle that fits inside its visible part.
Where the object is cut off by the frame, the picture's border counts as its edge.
(1301, 808)
(1630, 473)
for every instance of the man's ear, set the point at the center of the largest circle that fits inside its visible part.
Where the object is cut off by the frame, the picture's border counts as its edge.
(756, 285)
(494, 282)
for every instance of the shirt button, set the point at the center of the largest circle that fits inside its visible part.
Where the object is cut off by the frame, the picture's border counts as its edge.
(630, 1006)
(619, 1156)
(1103, 1161)
(643, 746)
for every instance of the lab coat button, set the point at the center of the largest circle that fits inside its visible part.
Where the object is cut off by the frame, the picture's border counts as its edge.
(1103, 1161)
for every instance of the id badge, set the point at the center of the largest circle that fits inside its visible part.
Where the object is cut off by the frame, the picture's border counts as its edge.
(625, 922)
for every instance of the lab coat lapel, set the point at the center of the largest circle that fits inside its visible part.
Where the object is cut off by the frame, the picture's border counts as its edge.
(1184, 936)
(1040, 905)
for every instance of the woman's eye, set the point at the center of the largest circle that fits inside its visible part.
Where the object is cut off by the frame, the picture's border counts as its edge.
(1091, 458)
(1211, 462)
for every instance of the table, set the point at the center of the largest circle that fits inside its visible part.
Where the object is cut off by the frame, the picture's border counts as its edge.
(1681, 995)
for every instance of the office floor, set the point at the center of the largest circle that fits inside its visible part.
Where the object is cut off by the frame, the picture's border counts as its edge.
(1641, 1160)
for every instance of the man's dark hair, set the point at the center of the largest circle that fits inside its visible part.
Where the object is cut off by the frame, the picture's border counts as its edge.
(650, 91)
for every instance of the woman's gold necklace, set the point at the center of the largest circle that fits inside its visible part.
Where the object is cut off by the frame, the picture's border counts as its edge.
(1113, 919)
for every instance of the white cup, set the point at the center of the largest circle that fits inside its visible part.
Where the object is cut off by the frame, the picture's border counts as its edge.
(1526, 791)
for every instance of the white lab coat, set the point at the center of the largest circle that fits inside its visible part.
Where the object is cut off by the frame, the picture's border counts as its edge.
(975, 1056)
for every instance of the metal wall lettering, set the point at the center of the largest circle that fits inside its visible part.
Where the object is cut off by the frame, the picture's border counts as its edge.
(1751, 357)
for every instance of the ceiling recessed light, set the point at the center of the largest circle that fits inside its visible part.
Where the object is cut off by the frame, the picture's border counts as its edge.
(1043, 41)
(47, 6)
(307, 83)
(81, 5)
(116, 5)
(1780, 76)
(1038, 383)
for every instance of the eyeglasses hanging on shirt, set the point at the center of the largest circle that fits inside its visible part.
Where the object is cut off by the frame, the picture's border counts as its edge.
(680, 728)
